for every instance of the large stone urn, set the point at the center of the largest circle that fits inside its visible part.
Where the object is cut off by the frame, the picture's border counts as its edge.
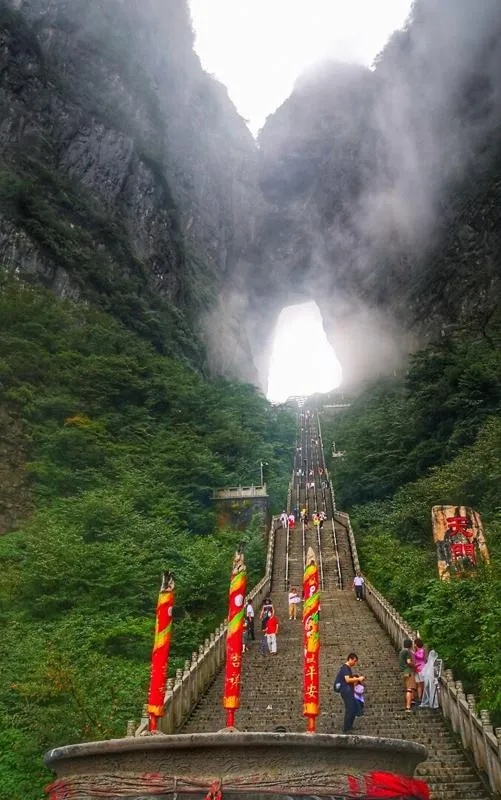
(253, 764)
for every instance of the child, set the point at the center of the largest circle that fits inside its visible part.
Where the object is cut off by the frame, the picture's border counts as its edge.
(359, 694)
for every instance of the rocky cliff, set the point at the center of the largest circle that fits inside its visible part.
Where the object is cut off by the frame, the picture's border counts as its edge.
(127, 178)
(385, 193)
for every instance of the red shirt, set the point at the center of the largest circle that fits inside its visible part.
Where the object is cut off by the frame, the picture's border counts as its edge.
(272, 625)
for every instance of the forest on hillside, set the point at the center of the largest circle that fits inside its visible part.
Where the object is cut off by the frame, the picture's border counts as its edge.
(123, 447)
(430, 435)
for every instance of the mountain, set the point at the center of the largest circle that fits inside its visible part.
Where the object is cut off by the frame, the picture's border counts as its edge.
(127, 179)
(384, 191)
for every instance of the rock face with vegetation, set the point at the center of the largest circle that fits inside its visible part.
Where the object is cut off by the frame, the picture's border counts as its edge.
(146, 244)
(385, 190)
(127, 179)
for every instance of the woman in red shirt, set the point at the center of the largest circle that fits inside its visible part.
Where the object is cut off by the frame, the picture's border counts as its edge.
(271, 634)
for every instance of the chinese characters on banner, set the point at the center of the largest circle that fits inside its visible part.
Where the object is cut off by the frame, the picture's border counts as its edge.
(161, 647)
(459, 537)
(311, 607)
(234, 637)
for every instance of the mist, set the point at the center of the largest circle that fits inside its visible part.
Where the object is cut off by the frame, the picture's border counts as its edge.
(365, 166)
(362, 171)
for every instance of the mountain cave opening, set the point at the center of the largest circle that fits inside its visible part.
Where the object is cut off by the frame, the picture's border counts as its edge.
(303, 361)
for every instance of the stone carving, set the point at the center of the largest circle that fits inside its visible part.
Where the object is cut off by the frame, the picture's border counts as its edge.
(459, 536)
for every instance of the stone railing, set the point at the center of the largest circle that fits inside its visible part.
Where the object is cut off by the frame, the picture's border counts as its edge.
(474, 729)
(289, 493)
(326, 471)
(185, 690)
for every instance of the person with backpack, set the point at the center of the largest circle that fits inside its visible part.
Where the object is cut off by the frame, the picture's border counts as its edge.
(408, 670)
(344, 685)
(266, 612)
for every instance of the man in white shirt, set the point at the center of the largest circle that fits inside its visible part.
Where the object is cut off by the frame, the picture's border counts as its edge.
(249, 613)
(358, 585)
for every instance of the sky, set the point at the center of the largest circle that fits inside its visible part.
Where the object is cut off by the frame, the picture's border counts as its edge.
(302, 360)
(257, 48)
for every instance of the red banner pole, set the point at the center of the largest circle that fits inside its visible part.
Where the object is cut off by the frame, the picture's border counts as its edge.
(311, 607)
(161, 648)
(234, 637)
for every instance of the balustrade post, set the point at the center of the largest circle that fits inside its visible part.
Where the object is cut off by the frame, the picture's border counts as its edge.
(461, 703)
(476, 734)
(177, 698)
(490, 766)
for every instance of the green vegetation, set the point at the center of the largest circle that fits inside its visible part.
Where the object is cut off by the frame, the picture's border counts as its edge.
(429, 436)
(125, 446)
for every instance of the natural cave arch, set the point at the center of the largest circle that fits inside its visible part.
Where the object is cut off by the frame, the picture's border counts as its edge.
(302, 360)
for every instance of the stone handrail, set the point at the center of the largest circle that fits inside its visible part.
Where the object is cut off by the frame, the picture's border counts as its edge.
(185, 690)
(289, 493)
(474, 729)
(326, 471)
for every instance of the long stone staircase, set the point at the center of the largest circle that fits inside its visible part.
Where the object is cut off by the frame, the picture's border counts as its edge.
(272, 685)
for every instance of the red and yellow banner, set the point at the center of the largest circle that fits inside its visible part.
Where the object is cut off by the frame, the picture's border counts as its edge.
(311, 608)
(161, 647)
(234, 637)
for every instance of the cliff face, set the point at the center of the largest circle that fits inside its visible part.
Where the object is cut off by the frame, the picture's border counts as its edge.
(127, 179)
(126, 176)
(385, 190)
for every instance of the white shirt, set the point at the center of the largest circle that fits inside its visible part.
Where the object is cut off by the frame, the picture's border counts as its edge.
(249, 611)
(358, 580)
(294, 598)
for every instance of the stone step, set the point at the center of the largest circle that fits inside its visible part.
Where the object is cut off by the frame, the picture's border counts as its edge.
(272, 685)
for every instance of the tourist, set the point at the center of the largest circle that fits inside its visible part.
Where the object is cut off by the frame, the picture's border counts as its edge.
(344, 684)
(294, 600)
(420, 657)
(249, 614)
(292, 522)
(358, 585)
(359, 695)
(264, 622)
(430, 676)
(408, 670)
(271, 631)
(267, 609)
(284, 519)
(245, 639)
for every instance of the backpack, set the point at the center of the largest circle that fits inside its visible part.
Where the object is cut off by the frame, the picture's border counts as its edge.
(338, 682)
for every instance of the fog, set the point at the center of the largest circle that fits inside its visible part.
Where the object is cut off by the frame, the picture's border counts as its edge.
(302, 361)
(362, 170)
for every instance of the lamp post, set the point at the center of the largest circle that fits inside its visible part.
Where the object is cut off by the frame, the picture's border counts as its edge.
(261, 465)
